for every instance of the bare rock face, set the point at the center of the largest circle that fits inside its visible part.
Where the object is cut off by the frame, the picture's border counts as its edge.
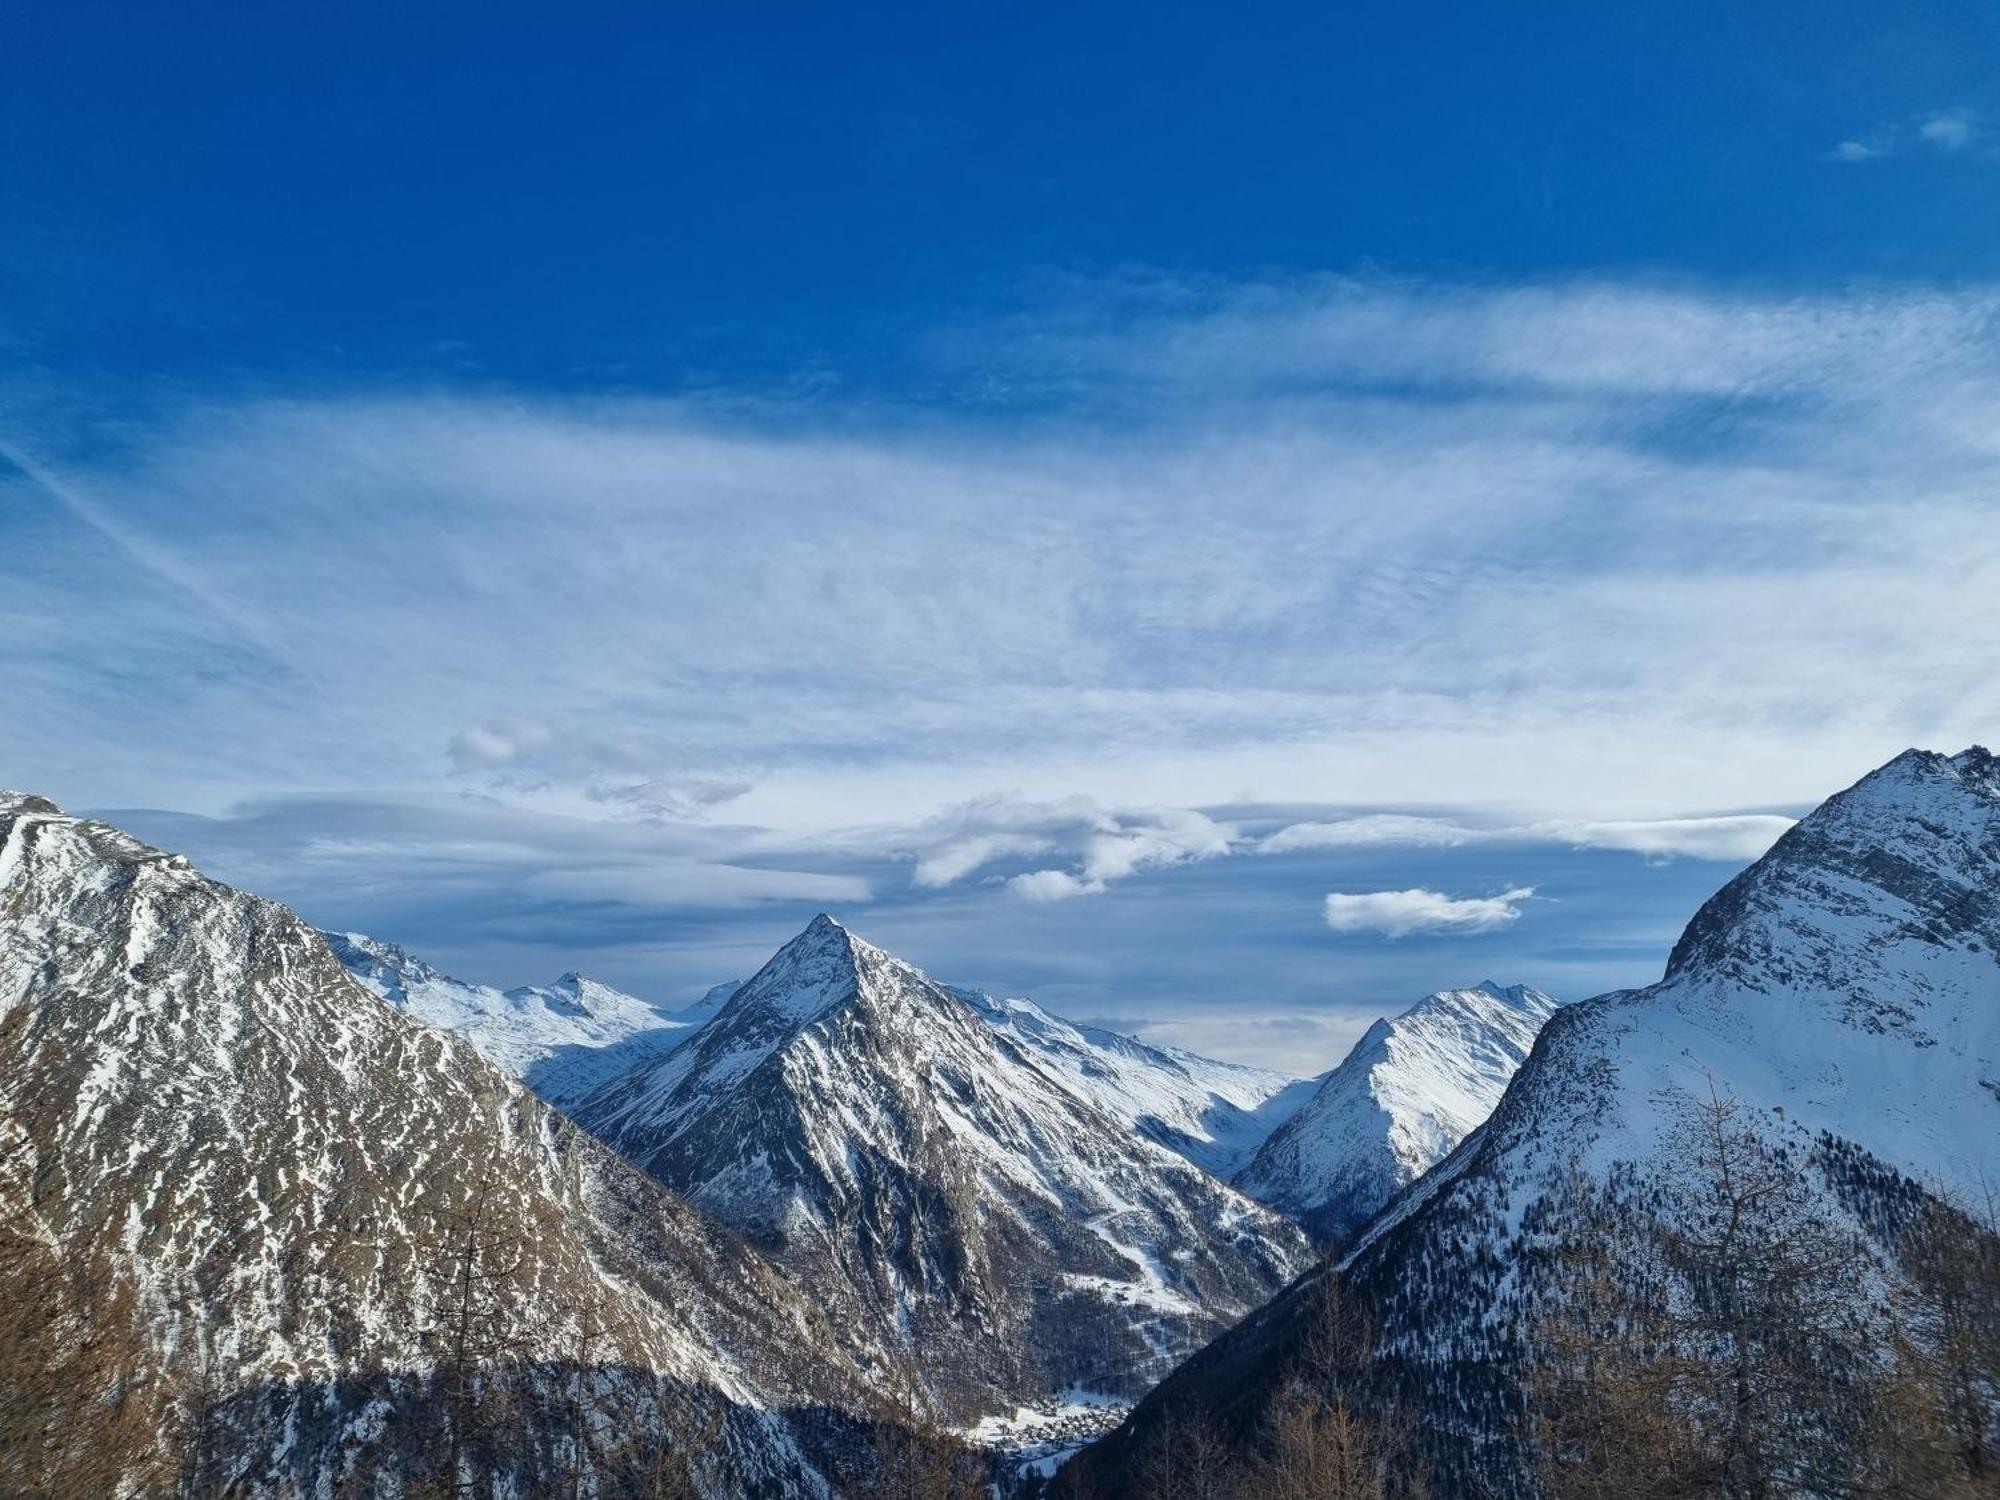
(938, 1179)
(264, 1176)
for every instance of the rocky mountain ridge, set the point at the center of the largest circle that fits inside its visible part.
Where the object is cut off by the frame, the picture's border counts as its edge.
(1215, 1114)
(562, 1039)
(250, 1181)
(1412, 1088)
(924, 1170)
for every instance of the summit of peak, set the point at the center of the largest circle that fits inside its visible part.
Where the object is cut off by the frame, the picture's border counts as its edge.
(1865, 891)
(820, 967)
(1974, 768)
(1517, 995)
(1462, 994)
(821, 933)
(1478, 1005)
(1412, 1087)
(28, 804)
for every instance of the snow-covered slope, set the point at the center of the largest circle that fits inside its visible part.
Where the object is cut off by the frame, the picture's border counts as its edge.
(932, 1176)
(1411, 1089)
(561, 1039)
(1216, 1114)
(211, 1133)
(1844, 991)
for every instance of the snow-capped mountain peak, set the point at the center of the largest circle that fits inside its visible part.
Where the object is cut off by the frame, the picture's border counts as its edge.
(931, 1175)
(562, 1039)
(1852, 911)
(1412, 1088)
(824, 966)
(1840, 997)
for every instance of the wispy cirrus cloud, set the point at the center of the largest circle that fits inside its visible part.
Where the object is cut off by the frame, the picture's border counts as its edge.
(352, 848)
(534, 760)
(1396, 914)
(1580, 561)
(1269, 558)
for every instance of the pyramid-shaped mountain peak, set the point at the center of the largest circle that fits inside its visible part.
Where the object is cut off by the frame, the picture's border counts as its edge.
(822, 968)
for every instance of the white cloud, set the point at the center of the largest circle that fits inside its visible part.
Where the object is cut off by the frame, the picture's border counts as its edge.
(1149, 839)
(1391, 829)
(1107, 843)
(1741, 837)
(1946, 131)
(949, 863)
(498, 743)
(1053, 885)
(1397, 914)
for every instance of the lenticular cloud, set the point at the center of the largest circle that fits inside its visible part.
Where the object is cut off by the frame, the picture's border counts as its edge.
(1399, 913)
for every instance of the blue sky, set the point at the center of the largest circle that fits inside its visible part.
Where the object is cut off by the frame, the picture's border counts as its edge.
(1222, 520)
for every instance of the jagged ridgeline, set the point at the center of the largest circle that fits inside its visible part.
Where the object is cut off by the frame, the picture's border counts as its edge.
(274, 1226)
(562, 1039)
(278, 1199)
(1414, 1086)
(261, 1232)
(926, 1162)
(1732, 1232)
(868, 1085)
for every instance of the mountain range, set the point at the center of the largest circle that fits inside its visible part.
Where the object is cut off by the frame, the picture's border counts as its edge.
(264, 1145)
(924, 1170)
(1325, 1151)
(258, 1142)
(1039, 1124)
(1840, 998)
(562, 1039)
